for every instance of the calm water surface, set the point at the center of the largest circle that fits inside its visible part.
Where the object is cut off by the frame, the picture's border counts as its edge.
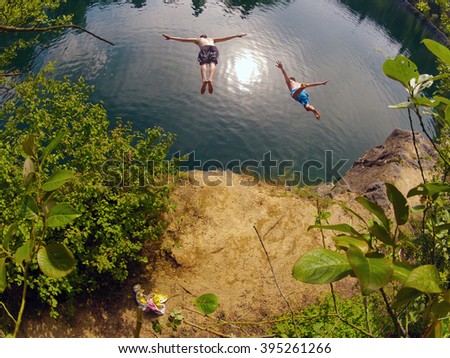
(150, 81)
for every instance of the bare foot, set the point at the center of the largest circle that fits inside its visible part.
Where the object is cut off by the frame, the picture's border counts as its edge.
(203, 89)
(210, 87)
(317, 115)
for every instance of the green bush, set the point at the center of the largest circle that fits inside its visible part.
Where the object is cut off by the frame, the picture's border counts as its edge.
(121, 187)
(435, 11)
(318, 320)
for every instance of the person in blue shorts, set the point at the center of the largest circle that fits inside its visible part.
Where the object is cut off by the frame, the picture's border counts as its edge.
(298, 91)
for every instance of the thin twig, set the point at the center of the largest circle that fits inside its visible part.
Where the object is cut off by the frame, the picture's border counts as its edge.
(432, 141)
(415, 146)
(187, 291)
(273, 273)
(4, 28)
(217, 322)
(7, 312)
(368, 334)
(273, 226)
(366, 311)
(137, 329)
(10, 74)
(400, 330)
(206, 329)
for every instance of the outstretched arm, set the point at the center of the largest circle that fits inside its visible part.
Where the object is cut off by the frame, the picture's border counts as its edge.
(313, 84)
(222, 39)
(285, 75)
(181, 39)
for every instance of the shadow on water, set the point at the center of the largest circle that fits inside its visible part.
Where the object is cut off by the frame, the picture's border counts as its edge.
(405, 29)
(245, 7)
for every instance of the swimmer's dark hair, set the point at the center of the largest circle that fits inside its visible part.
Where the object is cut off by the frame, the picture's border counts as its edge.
(203, 36)
(292, 78)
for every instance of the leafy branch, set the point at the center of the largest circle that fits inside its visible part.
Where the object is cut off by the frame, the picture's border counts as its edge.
(41, 210)
(322, 215)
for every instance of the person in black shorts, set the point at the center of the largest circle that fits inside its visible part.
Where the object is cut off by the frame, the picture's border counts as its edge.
(207, 57)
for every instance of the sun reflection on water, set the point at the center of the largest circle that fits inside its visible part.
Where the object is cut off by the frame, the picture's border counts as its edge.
(247, 70)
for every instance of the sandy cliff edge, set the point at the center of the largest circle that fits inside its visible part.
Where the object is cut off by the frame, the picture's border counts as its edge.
(211, 246)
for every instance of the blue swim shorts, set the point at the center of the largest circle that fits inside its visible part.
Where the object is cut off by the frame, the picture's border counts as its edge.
(303, 97)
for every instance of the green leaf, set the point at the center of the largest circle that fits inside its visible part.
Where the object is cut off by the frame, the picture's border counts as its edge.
(434, 330)
(447, 114)
(61, 214)
(156, 325)
(9, 234)
(28, 171)
(346, 208)
(402, 270)
(424, 279)
(398, 201)
(372, 273)
(55, 260)
(443, 227)
(429, 189)
(401, 69)
(441, 99)
(405, 240)
(207, 303)
(29, 209)
(381, 234)
(339, 227)
(53, 144)
(321, 266)
(440, 309)
(440, 77)
(23, 253)
(28, 146)
(3, 280)
(57, 179)
(374, 209)
(440, 51)
(28, 167)
(344, 242)
(405, 296)
(425, 102)
(402, 105)
(447, 296)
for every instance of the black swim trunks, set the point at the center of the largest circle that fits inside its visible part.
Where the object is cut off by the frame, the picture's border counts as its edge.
(208, 54)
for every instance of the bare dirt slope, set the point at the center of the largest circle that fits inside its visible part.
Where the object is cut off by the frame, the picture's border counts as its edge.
(217, 248)
(212, 246)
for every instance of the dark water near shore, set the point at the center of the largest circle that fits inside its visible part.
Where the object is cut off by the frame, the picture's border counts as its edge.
(150, 81)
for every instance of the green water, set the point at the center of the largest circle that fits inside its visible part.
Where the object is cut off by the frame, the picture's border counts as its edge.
(250, 116)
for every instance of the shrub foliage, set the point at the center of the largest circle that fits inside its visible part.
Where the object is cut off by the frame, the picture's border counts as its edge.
(120, 189)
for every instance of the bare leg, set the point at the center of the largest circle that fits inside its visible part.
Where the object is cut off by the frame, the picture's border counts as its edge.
(212, 71)
(310, 108)
(204, 72)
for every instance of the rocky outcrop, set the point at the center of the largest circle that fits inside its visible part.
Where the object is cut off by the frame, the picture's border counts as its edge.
(395, 161)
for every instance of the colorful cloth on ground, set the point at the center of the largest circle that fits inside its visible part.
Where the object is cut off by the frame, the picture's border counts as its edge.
(150, 303)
